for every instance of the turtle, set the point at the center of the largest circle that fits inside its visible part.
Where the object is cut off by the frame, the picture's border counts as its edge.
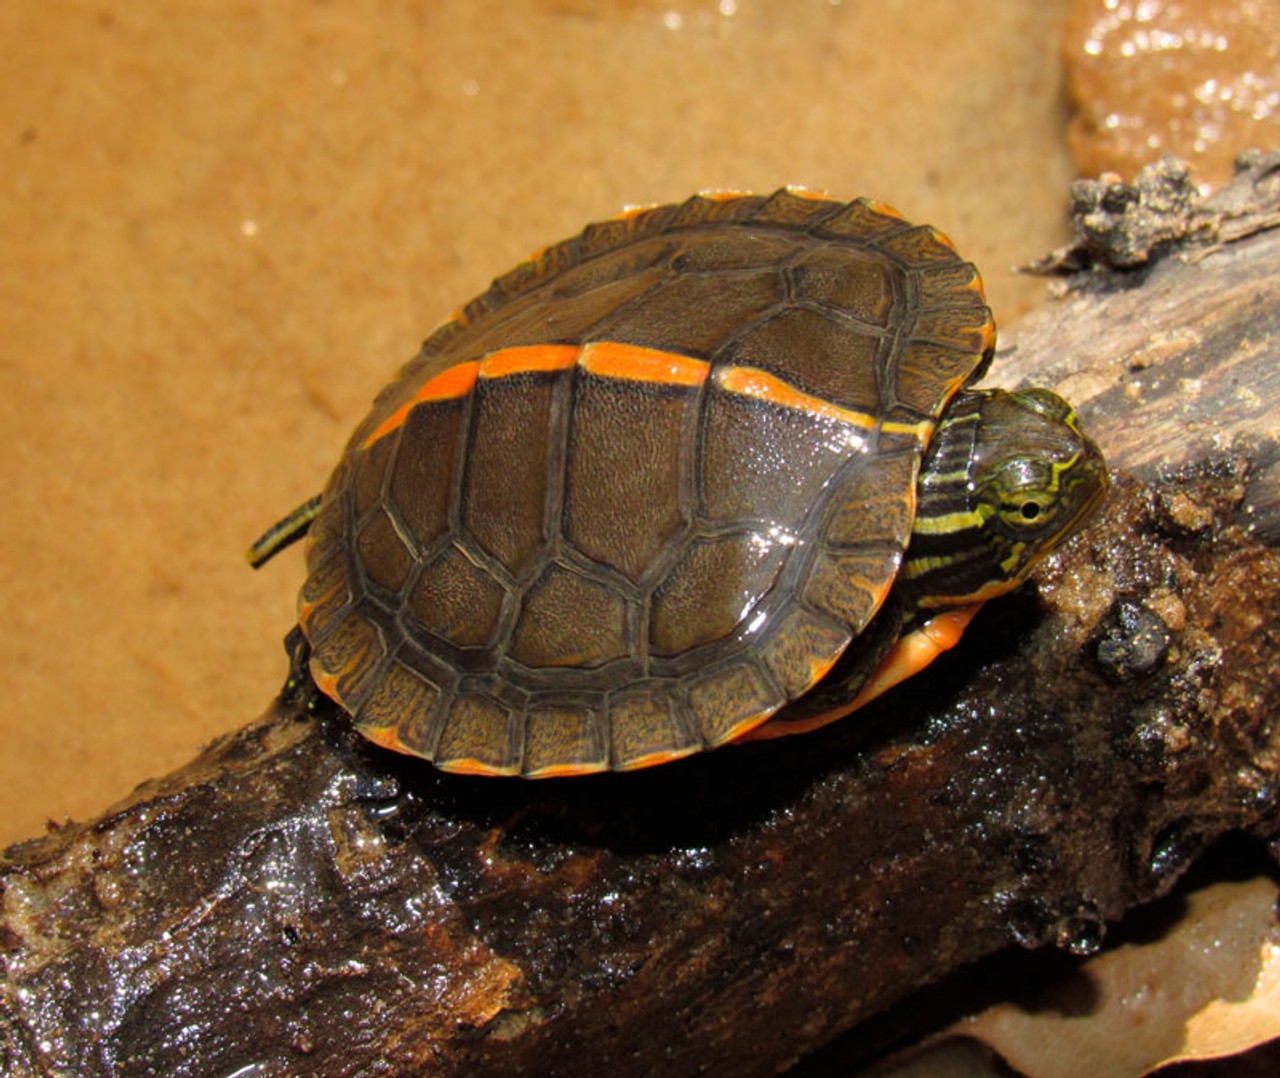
(706, 472)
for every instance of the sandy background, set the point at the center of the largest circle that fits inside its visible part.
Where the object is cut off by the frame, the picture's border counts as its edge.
(224, 224)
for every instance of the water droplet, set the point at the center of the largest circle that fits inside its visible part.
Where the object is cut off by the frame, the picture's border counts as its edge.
(1081, 931)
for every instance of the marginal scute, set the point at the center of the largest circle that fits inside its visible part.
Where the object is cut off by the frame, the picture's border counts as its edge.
(348, 656)
(400, 711)
(951, 284)
(477, 737)
(726, 702)
(928, 374)
(793, 208)
(326, 591)
(919, 247)
(969, 329)
(800, 647)
(860, 221)
(563, 735)
(851, 585)
(325, 536)
(643, 723)
(711, 209)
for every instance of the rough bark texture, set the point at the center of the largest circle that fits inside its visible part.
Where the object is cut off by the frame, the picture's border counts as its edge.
(295, 902)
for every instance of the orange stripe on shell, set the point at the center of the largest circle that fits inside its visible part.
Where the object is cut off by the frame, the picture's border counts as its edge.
(536, 357)
(466, 765)
(942, 238)
(654, 759)
(449, 384)
(751, 382)
(326, 682)
(634, 209)
(882, 208)
(560, 771)
(742, 731)
(814, 194)
(631, 363)
(388, 737)
(723, 194)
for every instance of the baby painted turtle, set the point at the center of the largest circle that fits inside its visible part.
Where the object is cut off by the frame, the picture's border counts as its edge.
(704, 472)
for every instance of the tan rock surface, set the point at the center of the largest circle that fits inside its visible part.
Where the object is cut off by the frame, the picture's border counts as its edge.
(1199, 79)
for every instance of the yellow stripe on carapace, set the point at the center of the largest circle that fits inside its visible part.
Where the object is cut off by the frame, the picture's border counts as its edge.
(535, 357)
(450, 384)
(630, 362)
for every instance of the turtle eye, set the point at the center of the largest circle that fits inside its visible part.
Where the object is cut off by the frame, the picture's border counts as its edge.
(1022, 495)
(1026, 509)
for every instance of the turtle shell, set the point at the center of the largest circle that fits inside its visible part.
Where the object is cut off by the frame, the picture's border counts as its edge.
(645, 490)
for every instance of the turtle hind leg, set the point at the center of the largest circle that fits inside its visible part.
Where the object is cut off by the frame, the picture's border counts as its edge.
(283, 533)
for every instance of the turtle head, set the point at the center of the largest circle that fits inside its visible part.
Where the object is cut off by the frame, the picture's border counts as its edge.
(1007, 478)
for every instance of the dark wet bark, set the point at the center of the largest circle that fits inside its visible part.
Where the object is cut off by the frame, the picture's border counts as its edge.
(296, 902)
